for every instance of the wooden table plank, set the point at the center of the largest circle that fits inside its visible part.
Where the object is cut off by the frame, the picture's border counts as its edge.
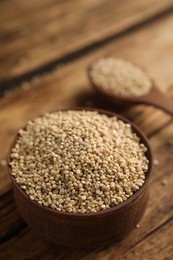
(24, 105)
(147, 249)
(67, 87)
(34, 33)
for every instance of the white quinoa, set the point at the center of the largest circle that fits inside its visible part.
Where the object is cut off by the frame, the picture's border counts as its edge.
(78, 161)
(120, 77)
(156, 162)
(3, 162)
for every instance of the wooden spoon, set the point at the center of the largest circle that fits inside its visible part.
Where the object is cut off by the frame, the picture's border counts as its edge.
(155, 97)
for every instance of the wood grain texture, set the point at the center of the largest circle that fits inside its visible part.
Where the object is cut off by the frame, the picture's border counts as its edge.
(150, 47)
(34, 33)
(146, 249)
(69, 87)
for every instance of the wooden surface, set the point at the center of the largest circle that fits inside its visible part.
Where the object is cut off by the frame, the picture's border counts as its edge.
(34, 37)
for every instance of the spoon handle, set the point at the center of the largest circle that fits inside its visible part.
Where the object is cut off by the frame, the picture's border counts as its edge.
(160, 100)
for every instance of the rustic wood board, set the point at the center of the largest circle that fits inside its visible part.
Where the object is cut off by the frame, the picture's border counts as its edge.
(36, 33)
(149, 46)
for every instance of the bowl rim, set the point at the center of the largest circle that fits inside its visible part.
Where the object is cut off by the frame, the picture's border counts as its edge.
(120, 206)
(114, 97)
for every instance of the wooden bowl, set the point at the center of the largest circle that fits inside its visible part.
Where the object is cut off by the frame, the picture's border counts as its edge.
(86, 230)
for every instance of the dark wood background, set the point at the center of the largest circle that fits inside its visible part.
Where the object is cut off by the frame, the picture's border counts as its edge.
(45, 48)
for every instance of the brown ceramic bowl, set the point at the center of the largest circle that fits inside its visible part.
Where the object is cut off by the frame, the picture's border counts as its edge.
(86, 230)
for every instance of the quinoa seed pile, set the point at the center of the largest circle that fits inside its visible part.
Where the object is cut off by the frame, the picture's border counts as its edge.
(78, 161)
(120, 77)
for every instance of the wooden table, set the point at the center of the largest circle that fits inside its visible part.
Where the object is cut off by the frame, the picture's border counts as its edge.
(45, 48)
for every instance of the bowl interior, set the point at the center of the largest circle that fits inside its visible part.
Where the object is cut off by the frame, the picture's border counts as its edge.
(149, 156)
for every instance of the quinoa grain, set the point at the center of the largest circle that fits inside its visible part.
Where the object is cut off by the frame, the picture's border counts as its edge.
(156, 162)
(138, 226)
(120, 77)
(3, 162)
(164, 182)
(78, 161)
